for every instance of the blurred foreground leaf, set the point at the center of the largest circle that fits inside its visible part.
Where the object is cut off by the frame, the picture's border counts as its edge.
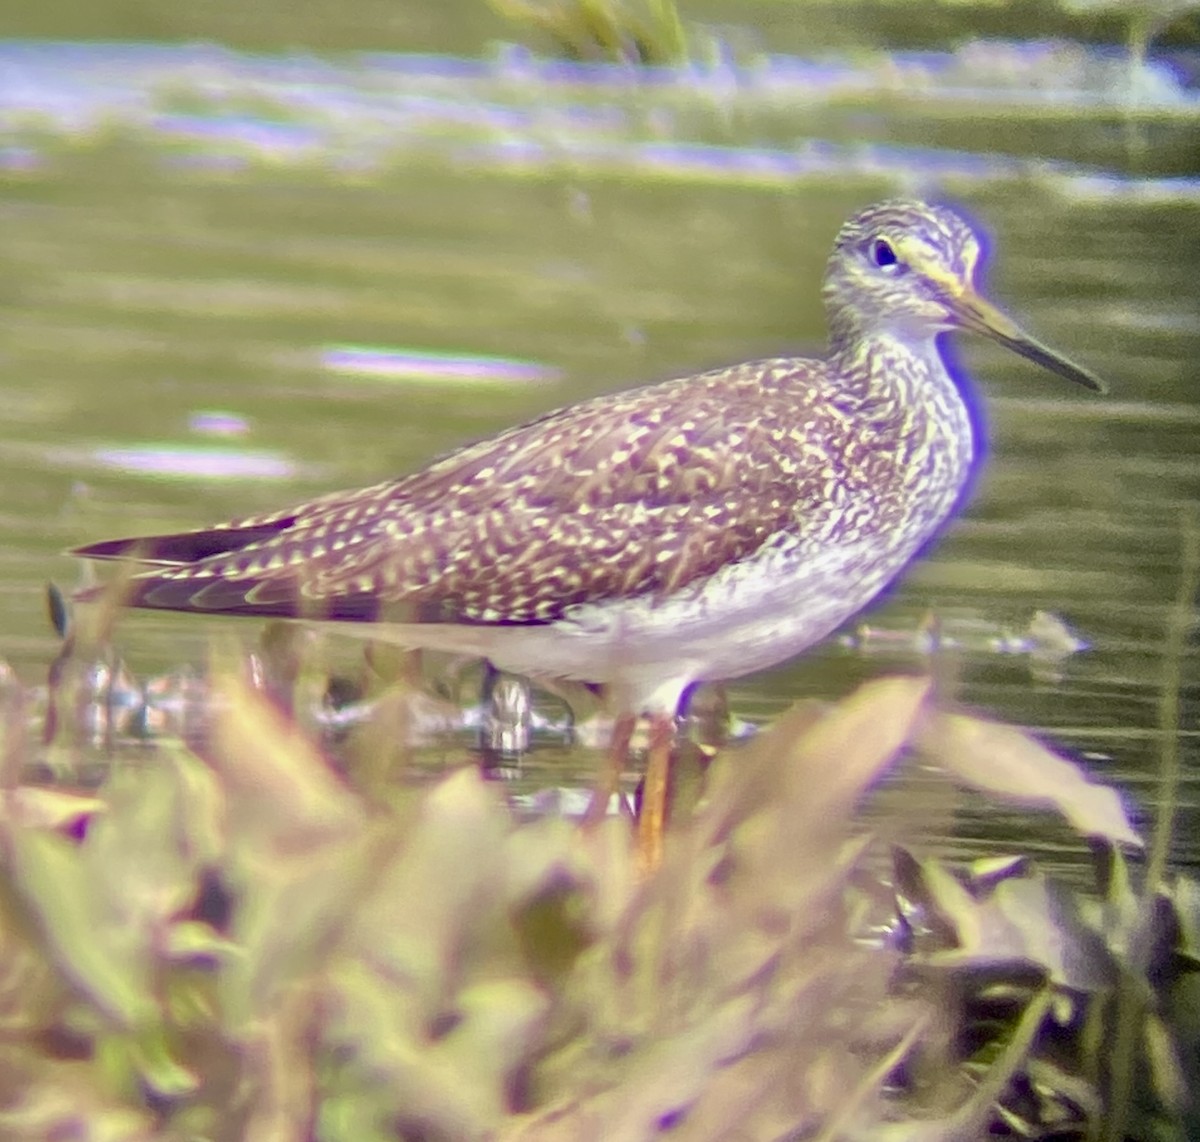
(239, 943)
(112, 969)
(1012, 763)
(299, 848)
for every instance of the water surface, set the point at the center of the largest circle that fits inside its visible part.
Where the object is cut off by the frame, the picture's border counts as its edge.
(231, 281)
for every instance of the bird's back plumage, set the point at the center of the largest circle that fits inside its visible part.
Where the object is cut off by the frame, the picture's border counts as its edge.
(618, 497)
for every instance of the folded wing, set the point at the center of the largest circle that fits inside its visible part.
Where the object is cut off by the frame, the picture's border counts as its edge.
(613, 498)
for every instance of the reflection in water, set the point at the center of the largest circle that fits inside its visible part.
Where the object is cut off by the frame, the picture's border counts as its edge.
(414, 365)
(193, 462)
(1046, 643)
(217, 422)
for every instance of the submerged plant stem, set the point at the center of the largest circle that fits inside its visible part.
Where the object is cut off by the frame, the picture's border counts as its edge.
(1178, 624)
(1130, 999)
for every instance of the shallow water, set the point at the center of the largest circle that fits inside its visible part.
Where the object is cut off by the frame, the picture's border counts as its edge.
(231, 281)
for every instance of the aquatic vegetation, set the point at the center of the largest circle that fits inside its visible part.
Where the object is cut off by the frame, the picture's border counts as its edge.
(1145, 19)
(611, 31)
(244, 934)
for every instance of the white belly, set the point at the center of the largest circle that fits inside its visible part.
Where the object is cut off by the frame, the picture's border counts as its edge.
(753, 615)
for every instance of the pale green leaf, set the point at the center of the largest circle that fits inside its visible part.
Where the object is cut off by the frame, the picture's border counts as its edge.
(1011, 763)
(112, 970)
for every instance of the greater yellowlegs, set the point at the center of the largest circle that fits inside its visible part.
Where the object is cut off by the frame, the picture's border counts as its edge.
(694, 530)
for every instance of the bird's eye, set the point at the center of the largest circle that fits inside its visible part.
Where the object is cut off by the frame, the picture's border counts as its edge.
(883, 255)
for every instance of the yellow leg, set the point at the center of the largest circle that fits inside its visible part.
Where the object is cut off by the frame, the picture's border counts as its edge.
(614, 765)
(652, 820)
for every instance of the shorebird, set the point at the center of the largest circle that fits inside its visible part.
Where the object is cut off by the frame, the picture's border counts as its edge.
(694, 530)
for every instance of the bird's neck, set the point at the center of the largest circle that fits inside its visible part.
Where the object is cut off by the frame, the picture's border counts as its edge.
(886, 365)
(900, 387)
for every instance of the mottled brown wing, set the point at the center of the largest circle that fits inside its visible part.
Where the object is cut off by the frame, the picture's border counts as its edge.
(622, 496)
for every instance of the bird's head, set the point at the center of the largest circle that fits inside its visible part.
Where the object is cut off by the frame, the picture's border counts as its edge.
(908, 268)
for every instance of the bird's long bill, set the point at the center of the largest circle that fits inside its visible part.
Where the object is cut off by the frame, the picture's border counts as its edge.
(981, 316)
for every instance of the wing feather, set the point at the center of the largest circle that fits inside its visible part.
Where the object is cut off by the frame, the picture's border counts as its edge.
(618, 497)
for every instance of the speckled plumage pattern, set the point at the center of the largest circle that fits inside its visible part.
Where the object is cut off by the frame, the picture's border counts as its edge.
(693, 529)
